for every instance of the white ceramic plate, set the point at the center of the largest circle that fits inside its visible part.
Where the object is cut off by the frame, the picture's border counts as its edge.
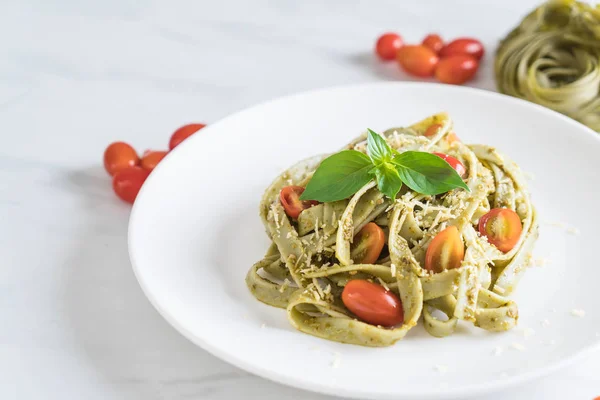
(195, 231)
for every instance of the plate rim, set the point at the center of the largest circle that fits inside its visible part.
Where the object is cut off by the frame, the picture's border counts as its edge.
(309, 385)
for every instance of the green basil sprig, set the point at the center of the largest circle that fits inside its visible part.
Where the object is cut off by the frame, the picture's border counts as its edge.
(342, 174)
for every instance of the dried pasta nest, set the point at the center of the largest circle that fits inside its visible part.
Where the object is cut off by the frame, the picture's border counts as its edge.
(553, 58)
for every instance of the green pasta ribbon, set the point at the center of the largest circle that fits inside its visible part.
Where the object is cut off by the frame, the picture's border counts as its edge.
(553, 58)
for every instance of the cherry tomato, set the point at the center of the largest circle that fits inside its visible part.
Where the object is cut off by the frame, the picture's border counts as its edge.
(183, 133)
(451, 138)
(290, 200)
(446, 251)
(456, 69)
(387, 46)
(432, 130)
(502, 227)
(127, 183)
(454, 163)
(118, 156)
(150, 159)
(372, 303)
(434, 42)
(417, 60)
(469, 46)
(367, 244)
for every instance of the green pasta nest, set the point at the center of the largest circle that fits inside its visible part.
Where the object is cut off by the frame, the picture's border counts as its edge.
(553, 58)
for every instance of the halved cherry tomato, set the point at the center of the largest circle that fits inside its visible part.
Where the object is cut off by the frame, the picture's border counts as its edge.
(456, 69)
(417, 60)
(451, 138)
(150, 159)
(367, 244)
(128, 182)
(446, 251)
(434, 42)
(372, 303)
(502, 227)
(183, 133)
(387, 45)
(470, 46)
(290, 200)
(118, 156)
(432, 130)
(454, 163)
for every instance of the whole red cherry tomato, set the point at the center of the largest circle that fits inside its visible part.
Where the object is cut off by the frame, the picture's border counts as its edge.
(469, 46)
(128, 182)
(118, 156)
(387, 46)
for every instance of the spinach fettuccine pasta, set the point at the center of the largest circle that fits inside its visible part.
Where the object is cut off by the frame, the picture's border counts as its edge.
(404, 226)
(553, 58)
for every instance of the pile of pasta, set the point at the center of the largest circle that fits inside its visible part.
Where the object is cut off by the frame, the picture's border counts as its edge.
(308, 263)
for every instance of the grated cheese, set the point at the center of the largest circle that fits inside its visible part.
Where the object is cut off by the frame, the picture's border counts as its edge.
(393, 270)
(498, 350)
(573, 231)
(284, 285)
(263, 326)
(540, 262)
(578, 313)
(528, 332)
(382, 283)
(545, 323)
(318, 287)
(337, 360)
(275, 216)
(518, 346)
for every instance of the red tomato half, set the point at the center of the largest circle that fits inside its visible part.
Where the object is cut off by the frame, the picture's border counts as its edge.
(373, 304)
(502, 227)
(454, 163)
(183, 133)
(456, 69)
(417, 60)
(469, 46)
(290, 200)
(432, 130)
(118, 156)
(367, 244)
(150, 159)
(387, 46)
(446, 251)
(128, 182)
(434, 42)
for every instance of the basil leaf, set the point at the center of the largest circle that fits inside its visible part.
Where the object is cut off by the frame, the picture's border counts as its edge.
(377, 148)
(427, 173)
(338, 177)
(388, 179)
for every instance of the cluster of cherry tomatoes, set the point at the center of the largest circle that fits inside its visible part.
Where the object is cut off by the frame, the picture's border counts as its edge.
(371, 302)
(129, 171)
(455, 62)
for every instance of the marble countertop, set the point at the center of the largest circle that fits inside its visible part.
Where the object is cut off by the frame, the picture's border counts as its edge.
(75, 76)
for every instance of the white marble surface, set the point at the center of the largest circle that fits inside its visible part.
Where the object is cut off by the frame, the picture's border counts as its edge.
(77, 75)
